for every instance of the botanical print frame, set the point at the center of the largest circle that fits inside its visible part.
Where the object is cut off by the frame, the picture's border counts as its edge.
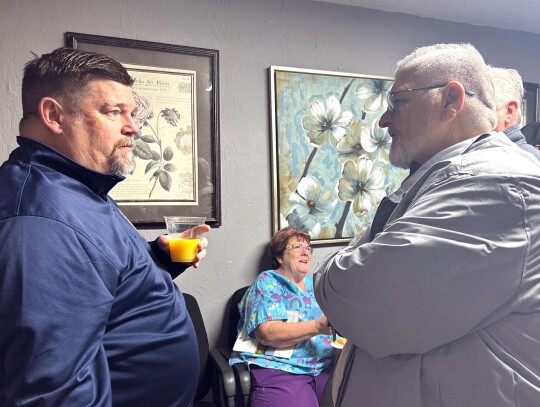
(163, 136)
(177, 149)
(330, 166)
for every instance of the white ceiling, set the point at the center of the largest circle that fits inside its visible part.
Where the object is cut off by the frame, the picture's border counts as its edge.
(521, 15)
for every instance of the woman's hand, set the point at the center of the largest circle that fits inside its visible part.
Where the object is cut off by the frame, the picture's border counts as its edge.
(322, 326)
(281, 334)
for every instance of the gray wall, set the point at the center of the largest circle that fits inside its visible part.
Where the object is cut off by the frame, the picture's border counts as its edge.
(251, 35)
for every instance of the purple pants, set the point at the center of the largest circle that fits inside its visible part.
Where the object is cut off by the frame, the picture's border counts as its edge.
(272, 387)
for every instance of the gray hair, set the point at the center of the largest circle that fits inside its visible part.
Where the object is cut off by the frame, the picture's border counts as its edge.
(443, 63)
(508, 87)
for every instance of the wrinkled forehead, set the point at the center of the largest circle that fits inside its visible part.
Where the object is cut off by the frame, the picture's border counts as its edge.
(407, 80)
(109, 92)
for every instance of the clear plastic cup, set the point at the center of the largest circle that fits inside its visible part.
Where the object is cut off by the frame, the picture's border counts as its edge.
(183, 248)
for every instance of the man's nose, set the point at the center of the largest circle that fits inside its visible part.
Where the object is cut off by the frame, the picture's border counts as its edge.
(385, 119)
(131, 126)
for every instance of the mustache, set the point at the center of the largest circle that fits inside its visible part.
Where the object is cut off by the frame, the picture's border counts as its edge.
(126, 143)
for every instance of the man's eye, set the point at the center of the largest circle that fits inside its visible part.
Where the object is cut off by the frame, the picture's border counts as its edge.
(113, 113)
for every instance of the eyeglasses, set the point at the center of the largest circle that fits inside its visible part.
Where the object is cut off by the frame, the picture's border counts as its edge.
(299, 247)
(392, 101)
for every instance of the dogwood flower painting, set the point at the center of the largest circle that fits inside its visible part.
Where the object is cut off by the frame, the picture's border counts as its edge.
(330, 157)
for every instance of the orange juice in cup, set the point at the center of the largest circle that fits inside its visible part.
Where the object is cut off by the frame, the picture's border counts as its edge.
(184, 250)
(183, 239)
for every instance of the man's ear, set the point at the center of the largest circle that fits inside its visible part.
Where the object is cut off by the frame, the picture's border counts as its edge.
(453, 100)
(511, 112)
(51, 114)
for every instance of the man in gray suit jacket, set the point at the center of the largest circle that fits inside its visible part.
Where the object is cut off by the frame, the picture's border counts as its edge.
(440, 301)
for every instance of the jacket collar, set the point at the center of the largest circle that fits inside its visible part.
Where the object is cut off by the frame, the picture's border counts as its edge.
(35, 153)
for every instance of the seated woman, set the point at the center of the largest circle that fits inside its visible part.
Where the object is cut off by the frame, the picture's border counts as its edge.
(296, 379)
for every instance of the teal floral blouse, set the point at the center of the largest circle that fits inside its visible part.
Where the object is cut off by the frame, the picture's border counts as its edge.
(268, 299)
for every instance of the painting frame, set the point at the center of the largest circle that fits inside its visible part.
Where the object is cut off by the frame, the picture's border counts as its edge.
(205, 65)
(297, 93)
(530, 103)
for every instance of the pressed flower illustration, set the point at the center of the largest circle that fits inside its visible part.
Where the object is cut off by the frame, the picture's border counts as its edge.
(159, 164)
(184, 140)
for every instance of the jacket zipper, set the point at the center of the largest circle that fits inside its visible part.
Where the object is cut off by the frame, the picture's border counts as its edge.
(345, 376)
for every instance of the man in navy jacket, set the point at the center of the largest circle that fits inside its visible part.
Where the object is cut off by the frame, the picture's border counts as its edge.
(89, 312)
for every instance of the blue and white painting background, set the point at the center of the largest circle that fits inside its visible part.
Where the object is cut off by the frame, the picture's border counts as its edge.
(332, 157)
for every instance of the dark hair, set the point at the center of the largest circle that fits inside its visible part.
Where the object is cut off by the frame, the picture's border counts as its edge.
(63, 73)
(281, 238)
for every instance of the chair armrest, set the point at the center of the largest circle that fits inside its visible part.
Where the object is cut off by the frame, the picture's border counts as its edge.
(226, 353)
(244, 379)
(225, 375)
(242, 376)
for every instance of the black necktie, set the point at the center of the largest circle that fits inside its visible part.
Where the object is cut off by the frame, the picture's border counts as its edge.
(386, 207)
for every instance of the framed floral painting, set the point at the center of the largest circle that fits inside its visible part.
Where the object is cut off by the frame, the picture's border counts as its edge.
(329, 156)
(177, 160)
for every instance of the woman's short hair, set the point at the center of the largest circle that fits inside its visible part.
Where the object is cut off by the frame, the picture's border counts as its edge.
(281, 238)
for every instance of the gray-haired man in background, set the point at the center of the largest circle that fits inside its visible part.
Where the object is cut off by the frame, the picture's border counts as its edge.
(509, 96)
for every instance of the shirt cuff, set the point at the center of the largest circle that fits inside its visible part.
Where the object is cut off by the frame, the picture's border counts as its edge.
(174, 269)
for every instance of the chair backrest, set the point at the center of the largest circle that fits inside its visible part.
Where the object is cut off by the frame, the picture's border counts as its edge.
(234, 315)
(242, 375)
(205, 378)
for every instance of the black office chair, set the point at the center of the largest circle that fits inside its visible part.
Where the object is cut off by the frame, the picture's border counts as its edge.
(241, 373)
(215, 372)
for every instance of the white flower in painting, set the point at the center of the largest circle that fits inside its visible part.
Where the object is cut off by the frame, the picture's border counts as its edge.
(377, 143)
(375, 92)
(350, 146)
(361, 183)
(358, 223)
(307, 223)
(144, 110)
(310, 199)
(326, 122)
